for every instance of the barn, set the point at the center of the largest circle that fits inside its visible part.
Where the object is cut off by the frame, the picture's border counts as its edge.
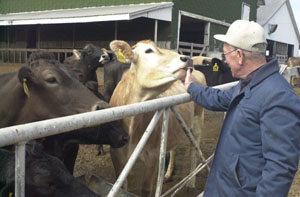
(277, 18)
(60, 26)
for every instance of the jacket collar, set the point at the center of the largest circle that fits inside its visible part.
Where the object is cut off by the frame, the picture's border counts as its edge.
(265, 71)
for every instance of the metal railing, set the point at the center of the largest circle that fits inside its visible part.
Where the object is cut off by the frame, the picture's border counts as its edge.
(192, 49)
(20, 55)
(20, 134)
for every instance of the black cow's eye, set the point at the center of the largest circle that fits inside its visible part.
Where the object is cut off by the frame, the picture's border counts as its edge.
(51, 80)
(149, 51)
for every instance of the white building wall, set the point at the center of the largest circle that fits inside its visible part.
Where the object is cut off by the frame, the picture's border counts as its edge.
(285, 31)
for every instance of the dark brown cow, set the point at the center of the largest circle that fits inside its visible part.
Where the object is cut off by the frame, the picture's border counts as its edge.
(41, 91)
(47, 89)
(46, 176)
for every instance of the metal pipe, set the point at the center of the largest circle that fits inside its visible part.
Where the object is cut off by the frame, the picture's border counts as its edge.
(135, 154)
(162, 156)
(191, 175)
(200, 166)
(20, 169)
(155, 31)
(226, 85)
(15, 134)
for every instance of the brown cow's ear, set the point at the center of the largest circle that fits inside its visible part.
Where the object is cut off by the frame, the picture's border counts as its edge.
(25, 78)
(121, 48)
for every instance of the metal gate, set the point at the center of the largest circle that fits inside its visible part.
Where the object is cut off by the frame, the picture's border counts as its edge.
(20, 134)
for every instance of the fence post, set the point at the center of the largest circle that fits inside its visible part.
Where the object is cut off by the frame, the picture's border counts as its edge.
(162, 156)
(20, 169)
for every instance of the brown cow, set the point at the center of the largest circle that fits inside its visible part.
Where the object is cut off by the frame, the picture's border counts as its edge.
(293, 61)
(154, 73)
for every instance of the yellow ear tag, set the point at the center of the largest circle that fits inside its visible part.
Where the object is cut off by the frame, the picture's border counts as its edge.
(26, 90)
(216, 67)
(10, 194)
(120, 56)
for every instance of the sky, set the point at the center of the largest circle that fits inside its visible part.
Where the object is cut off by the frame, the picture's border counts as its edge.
(296, 11)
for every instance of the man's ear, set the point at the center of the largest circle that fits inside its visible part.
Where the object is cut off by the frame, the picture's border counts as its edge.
(240, 56)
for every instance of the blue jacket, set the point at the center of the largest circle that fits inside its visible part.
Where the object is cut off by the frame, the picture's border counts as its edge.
(257, 153)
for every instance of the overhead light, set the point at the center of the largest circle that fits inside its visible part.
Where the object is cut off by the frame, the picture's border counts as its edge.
(272, 28)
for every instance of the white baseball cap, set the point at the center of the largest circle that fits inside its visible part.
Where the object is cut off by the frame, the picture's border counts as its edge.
(245, 35)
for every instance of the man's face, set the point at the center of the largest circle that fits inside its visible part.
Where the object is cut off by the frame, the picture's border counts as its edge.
(231, 59)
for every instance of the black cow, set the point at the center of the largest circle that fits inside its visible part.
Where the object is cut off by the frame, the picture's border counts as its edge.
(113, 69)
(45, 175)
(46, 89)
(216, 72)
(113, 72)
(85, 64)
(65, 146)
(87, 61)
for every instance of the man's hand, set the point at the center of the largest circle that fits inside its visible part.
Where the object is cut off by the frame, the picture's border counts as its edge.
(188, 79)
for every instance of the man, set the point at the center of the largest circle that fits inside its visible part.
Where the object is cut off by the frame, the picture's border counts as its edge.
(257, 152)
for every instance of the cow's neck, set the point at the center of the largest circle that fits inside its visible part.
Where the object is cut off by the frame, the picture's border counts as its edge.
(150, 85)
(15, 98)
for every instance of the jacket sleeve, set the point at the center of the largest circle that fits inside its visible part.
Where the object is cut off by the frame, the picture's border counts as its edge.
(211, 98)
(280, 143)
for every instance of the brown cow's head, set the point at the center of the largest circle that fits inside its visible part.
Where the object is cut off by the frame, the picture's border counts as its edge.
(155, 68)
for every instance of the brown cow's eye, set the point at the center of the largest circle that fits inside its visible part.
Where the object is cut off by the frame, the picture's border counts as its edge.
(149, 51)
(51, 80)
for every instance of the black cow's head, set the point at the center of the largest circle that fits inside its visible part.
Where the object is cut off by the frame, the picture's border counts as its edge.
(86, 62)
(46, 176)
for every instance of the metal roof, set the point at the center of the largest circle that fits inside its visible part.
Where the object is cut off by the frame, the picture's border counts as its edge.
(160, 11)
(265, 13)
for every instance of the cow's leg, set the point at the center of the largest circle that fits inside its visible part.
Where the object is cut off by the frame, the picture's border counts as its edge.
(170, 170)
(151, 162)
(119, 159)
(197, 130)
